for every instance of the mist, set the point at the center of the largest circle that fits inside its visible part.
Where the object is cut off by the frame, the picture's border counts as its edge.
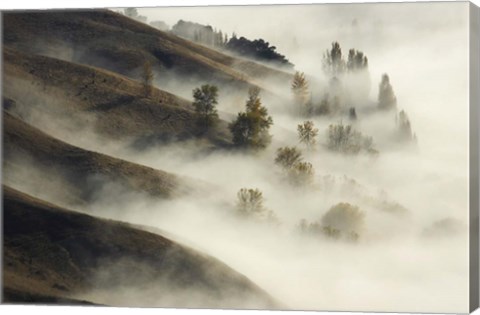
(404, 260)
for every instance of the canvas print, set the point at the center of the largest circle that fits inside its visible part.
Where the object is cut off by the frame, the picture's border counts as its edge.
(282, 157)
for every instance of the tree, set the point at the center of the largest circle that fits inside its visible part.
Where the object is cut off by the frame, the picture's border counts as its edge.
(301, 174)
(133, 14)
(324, 108)
(356, 61)
(343, 219)
(352, 113)
(404, 128)
(333, 64)
(249, 201)
(147, 78)
(386, 97)
(287, 157)
(344, 139)
(251, 127)
(250, 204)
(205, 99)
(307, 133)
(297, 172)
(161, 25)
(300, 90)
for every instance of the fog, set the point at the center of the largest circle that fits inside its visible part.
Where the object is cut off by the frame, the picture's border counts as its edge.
(402, 261)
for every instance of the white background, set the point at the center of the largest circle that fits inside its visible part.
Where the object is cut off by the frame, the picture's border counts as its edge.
(46, 4)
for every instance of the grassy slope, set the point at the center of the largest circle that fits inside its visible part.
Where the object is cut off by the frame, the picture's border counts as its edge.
(79, 167)
(113, 104)
(52, 254)
(108, 39)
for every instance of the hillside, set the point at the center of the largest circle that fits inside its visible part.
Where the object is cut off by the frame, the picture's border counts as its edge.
(34, 158)
(110, 40)
(91, 98)
(56, 255)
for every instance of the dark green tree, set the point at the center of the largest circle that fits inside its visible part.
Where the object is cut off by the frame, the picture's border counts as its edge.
(251, 128)
(205, 101)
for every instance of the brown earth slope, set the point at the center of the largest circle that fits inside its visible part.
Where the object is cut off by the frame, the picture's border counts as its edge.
(53, 255)
(107, 39)
(110, 104)
(34, 158)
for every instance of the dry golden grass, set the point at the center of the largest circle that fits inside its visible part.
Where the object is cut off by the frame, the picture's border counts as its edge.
(108, 39)
(114, 105)
(52, 254)
(79, 166)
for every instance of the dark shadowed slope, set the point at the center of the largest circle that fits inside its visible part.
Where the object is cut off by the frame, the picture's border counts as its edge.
(56, 255)
(100, 101)
(107, 39)
(33, 158)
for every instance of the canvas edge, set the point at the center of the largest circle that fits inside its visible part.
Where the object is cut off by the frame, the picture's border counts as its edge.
(2, 222)
(474, 81)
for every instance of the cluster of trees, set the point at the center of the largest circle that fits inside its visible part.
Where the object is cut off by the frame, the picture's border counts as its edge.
(345, 139)
(342, 221)
(335, 65)
(348, 80)
(199, 33)
(133, 14)
(250, 130)
(161, 25)
(296, 171)
(387, 101)
(331, 104)
(250, 204)
(257, 49)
